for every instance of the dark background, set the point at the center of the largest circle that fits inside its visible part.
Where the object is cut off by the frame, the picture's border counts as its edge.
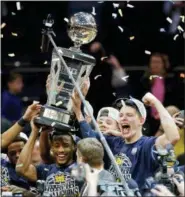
(143, 21)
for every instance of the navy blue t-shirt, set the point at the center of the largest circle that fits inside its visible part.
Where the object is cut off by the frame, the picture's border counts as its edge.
(11, 106)
(58, 180)
(10, 177)
(135, 160)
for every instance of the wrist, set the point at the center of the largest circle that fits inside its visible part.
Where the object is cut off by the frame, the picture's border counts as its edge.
(22, 122)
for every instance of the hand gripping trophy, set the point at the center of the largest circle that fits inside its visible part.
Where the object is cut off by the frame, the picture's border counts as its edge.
(58, 110)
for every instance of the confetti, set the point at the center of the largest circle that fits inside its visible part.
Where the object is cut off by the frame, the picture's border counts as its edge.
(123, 103)
(132, 38)
(114, 15)
(116, 5)
(175, 37)
(182, 75)
(100, 1)
(73, 56)
(121, 29)
(169, 19)
(11, 54)
(120, 12)
(162, 30)
(36, 102)
(97, 76)
(13, 13)
(17, 64)
(66, 20)
(14, 34)
(45, 62)
(125, 77)
(25, 98)
(53, 124)
(1, 35)
(114, 93)
(18, 5)
(180, 28)
(93, 11)
(182, 17)
(59, 103)
(130, 6)
(155, 76)
(3, 25)
(147, 52)
(102, 58)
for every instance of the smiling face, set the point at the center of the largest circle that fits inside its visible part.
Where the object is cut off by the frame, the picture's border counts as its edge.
(63, 149)
(107, 123)
(130, 122)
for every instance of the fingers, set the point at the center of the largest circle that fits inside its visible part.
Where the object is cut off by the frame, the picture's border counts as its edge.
(161, 190)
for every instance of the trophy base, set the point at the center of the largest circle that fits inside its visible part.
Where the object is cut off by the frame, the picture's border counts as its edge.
(54, 117)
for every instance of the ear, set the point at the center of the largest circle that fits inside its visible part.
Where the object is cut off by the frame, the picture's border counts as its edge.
(142, 120)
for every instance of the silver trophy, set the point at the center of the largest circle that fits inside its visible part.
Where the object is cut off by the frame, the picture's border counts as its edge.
(58, 110)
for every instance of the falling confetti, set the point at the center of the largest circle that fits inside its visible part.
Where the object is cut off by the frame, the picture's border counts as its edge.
(175, 37)
(147, 52)
(125, 77)
(45, 62)
(121, 29)
(66, 20)
(59, 103)
(132, 38)
(120, 12)
(11, 54)
(17, 64)
(18, 5)
(123, 103)
(182, 75)
(182, 17)
(155, 76)
(73, 56)
(180, 28)
(130, 6)
(13, 13)
(116, 5)
(169, 19)
(114, 93)
(53, 124)
(162, 30)
(114, 15)
(3, 25)
(102, 58)
(97, 76)
(14, 34)
(93, 11)
(100, 1)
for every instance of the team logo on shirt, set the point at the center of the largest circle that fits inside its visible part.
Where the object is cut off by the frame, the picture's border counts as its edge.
(124, 164)
(134, 151)
(4, 176)
(60, 184)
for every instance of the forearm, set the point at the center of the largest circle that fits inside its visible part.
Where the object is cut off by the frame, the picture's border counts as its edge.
(9, 135)
(25, 160)
(167, 122)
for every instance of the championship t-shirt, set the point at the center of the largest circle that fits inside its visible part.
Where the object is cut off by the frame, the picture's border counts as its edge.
(135, 160)
(58, 180)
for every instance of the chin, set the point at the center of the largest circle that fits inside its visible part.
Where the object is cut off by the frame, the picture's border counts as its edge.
(126, 136)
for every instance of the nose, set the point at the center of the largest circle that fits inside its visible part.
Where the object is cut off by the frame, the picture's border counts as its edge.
(61, 149)
(17, 155)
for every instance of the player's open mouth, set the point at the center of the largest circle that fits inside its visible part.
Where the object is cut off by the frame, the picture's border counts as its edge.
(125, 128)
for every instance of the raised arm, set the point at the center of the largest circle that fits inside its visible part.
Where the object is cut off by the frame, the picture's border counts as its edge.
(24, 166)
(8, 136)
(171, 134)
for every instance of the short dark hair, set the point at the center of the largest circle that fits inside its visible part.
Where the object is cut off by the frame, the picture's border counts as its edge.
(91, 150)
(13, 76)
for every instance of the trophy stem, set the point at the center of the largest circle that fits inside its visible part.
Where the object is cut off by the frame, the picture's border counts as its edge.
(102, 138)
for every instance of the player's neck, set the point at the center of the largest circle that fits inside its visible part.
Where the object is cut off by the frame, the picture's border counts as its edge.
(134, 138)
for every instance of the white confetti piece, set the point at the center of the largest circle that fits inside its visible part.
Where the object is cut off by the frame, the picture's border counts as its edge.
(97, 76)
(114, 15)
(169, 20)
(66, 20)
(93, 11)
(114, 93)
(3, 25)
(125, 78)
(13, 13)
(14, 34)
(36, 102)
(53, 124)
(147, 52)
(18, 5)
(121, 29)
(132, 38)
(155, 76)
(120, 12)
(45, 62)
(175, 37)
(100, 1)
(123, 103)
(182, 17)
(102, 58)
(116, 5)
(180, 28)
(130, 6)
(11, 54)
(162, 30)
(59, 103)
(59, 50)
(73, 56)
(1, 35)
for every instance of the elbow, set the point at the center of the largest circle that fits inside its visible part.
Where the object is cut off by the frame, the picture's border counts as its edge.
(175, 139)
(20, 170)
